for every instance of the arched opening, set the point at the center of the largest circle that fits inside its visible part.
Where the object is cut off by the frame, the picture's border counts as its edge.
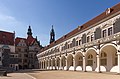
(108, 58)
(57, 62)
(44, 64)
(78, 61)
(70, 62)
(63, 62)
(91, 60)
(53, 63)
(47, 64)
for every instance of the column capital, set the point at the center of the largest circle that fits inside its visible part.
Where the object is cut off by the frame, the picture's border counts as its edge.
(97, 56)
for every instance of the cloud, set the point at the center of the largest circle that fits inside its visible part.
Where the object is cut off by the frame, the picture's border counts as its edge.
(10, 23)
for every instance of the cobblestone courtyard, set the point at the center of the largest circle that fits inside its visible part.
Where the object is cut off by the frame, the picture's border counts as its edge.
(61, 75)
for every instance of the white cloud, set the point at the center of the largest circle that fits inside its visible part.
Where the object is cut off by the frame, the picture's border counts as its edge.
(10, 23)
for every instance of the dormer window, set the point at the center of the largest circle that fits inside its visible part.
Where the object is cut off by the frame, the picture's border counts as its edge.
(110, 31)
(104, 33)
(108, 11)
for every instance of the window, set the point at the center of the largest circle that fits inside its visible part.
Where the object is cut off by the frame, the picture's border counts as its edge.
(25, 55)
(19, 55)
(76, 43)
(68, 46)
(104, 33)
(12, 56)
(25, 60)
(80, 62)
(19, 50)
(0, 58)
(79, 42)
(25, 50)
(90, 60)
(88, 38)
(103, 60)
(110, 31)
(92, 37)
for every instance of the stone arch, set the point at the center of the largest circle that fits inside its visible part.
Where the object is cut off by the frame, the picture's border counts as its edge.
(108, 57)
(78, 61)
(91, 60)
(63, 62)
(57, 62)
(44, 64)
(47, 64)
(70, 62)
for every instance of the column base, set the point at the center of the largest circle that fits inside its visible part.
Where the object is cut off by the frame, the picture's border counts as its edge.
(99, 72)
(118, 73)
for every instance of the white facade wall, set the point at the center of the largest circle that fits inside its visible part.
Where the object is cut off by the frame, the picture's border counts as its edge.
(105, 43)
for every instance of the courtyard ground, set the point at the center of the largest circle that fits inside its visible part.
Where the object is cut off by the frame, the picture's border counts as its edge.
(73, 75)
(60, 75)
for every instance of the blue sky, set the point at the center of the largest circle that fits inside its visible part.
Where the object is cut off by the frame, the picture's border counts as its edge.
(64, 15)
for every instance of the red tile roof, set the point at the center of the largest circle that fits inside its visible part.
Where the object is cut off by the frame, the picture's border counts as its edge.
(97, 19)
(7, 38)
(17, 40)
(29, 41)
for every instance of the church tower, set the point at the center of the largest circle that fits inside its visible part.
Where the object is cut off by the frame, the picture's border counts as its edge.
(29, 33)
(52, 35)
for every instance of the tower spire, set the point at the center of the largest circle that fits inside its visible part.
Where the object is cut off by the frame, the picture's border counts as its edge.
(29, 33)
(52, 35)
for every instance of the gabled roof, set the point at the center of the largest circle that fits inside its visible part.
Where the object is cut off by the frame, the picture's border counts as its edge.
(81, 28)
(7, 38)
(30, 40)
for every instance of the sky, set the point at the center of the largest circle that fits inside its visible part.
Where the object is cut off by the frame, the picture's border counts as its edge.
(64, 15)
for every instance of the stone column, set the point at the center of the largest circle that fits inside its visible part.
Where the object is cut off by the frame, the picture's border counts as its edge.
(74, 64)
(98, 63)
(118, 62)
(67, 68)
(41, 65)
(60, 64)
(52, 64)
(84, 64)
(48, 64)
(55, 64)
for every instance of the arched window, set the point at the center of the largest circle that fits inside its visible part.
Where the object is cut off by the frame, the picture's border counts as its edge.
(90, 60)
(103, 59)
(80, 61)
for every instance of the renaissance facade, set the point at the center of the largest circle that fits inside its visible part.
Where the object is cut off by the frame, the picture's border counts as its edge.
(93, 46)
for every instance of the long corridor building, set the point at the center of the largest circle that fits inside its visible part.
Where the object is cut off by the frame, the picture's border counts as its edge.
(93, 46)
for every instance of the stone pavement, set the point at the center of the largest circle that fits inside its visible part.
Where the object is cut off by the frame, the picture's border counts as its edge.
(17, 76)
(73, 75)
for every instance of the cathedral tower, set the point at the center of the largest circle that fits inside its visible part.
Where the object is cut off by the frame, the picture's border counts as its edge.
(29, 33)
(52, 35)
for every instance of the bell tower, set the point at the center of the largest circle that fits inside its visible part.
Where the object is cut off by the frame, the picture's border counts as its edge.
(29, 33)
(52, 35)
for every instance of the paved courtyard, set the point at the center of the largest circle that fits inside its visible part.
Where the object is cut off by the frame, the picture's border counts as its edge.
(73, 75)
(16, 76)
(61, 75)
